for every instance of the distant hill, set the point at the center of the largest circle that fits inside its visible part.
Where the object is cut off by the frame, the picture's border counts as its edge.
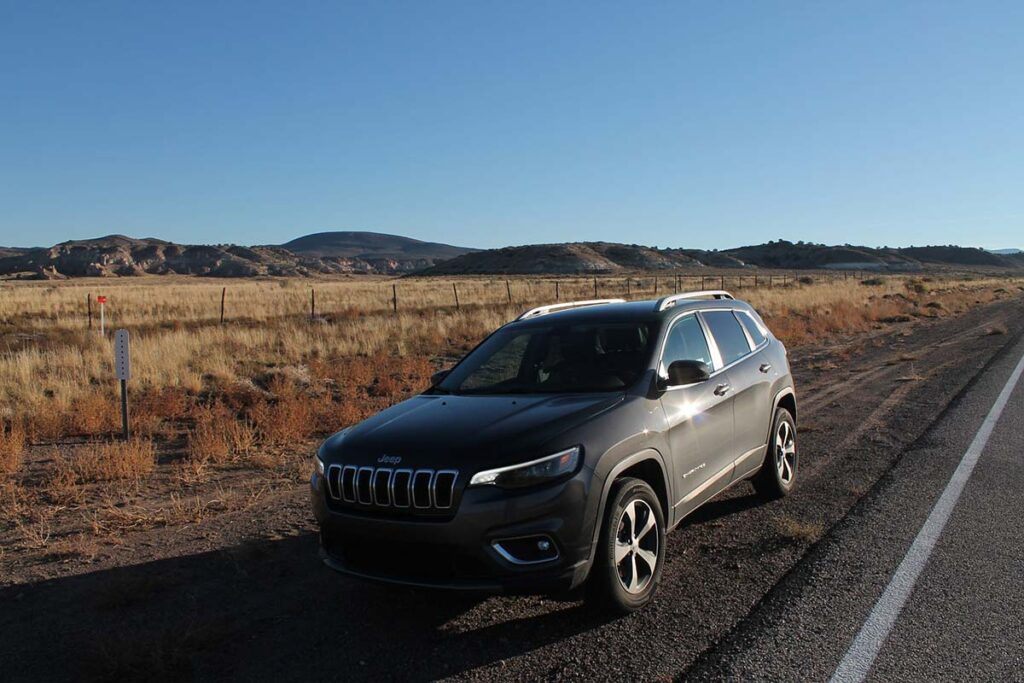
(325, 253)
(371, 245)
(367, 252)
(603, 257)
(1006, 252)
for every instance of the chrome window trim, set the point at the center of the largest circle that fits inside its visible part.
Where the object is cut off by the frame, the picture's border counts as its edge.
(716, 356)
(750, 350)
(754, 348)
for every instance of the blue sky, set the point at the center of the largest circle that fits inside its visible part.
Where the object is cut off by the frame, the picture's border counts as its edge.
(482, 123)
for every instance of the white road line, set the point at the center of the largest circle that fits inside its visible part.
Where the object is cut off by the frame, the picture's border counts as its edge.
(865, 647)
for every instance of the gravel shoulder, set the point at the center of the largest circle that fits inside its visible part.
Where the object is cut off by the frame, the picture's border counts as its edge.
(243, 595)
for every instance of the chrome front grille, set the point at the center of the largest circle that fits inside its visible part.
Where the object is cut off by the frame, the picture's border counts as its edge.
(384, 487)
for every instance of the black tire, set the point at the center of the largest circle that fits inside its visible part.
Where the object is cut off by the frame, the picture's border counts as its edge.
(630, 584)
(777, 480)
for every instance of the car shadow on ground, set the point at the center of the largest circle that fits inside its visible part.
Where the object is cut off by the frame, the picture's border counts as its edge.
(269, 610)
(260, 611)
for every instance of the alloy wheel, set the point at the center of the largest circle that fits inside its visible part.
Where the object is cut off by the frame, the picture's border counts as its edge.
(636, 546)
(785, 452)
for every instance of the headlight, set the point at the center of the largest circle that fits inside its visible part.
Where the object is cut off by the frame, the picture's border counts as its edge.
(319, 464)
(544, 470)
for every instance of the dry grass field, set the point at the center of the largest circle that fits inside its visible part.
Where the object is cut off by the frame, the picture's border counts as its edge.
(211, 402)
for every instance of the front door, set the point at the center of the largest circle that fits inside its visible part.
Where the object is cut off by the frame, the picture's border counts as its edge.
(699, 419)
(741, 350)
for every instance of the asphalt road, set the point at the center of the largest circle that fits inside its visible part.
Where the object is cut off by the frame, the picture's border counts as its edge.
(963, 614)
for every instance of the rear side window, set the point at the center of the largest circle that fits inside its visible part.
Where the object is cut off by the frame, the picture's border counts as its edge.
(752, 329)
(728, 334)
(686, 342)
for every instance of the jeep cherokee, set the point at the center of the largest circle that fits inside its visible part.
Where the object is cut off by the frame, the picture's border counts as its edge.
(559, 452)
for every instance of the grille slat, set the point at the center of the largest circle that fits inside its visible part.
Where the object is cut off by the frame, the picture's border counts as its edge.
(364, 486)
(348, 484)
(400, 487)
(423, 490)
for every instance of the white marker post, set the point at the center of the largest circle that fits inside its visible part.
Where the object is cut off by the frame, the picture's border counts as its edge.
(102, 300)
(123, 368)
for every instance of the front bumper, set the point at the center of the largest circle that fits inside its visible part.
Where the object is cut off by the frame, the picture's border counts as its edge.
(458, 552)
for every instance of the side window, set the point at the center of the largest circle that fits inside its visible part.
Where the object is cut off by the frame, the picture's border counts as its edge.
(686, 342)
(728, 334)
(752, 329)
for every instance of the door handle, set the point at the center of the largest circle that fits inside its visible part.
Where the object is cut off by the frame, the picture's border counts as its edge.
(765, 367)
(722, 389)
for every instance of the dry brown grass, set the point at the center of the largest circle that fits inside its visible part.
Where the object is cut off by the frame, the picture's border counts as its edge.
(255, 392)
(287, 377)
(116, 461)
(12, 447)
(799, 530)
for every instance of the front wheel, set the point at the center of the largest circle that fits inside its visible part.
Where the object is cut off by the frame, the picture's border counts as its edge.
(778, 474)
(631, 551)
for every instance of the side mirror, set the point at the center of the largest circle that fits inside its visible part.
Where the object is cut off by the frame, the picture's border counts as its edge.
(438, 377)
(682, 372)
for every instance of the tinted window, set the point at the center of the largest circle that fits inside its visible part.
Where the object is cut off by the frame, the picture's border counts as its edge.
(554, 359)
(752, 329)
(728, 334)
(686, 342)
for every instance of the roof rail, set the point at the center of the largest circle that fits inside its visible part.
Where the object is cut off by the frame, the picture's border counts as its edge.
(551, 308)
(670, 301)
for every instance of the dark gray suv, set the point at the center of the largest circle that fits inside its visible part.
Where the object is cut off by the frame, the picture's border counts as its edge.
(561, 450)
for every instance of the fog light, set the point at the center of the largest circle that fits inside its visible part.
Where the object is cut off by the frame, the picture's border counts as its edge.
(526, 549)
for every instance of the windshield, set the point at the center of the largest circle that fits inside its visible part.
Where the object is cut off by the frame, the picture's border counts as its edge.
(554, 359)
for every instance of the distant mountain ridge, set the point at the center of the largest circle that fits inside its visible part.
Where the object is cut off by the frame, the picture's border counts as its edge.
(603, 257)
(319, 254)
(367, 252)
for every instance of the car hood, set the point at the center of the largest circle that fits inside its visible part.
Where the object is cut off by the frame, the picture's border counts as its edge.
(454, 431)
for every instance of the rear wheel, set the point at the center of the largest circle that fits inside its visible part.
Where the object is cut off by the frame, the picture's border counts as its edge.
(777, 477)
(631, 550)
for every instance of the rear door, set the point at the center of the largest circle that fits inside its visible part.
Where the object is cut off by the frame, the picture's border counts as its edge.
(699, 419)
(740, 343)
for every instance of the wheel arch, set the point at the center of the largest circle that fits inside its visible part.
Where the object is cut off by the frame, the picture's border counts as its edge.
(785, 399)
(647, 465)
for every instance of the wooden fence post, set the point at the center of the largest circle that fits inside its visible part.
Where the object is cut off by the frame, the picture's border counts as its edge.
(394, 298)
(88, 305)
(595, 286)
(223, 294)
(456, 290)
(508, 290)
(312, 303)
(556, 291)
(655, 285)
(627, 286)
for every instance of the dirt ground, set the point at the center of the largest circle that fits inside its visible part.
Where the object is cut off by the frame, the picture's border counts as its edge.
(238, 591)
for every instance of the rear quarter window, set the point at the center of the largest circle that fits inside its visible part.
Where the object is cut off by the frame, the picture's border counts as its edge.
(752, 329)
(728, 334)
